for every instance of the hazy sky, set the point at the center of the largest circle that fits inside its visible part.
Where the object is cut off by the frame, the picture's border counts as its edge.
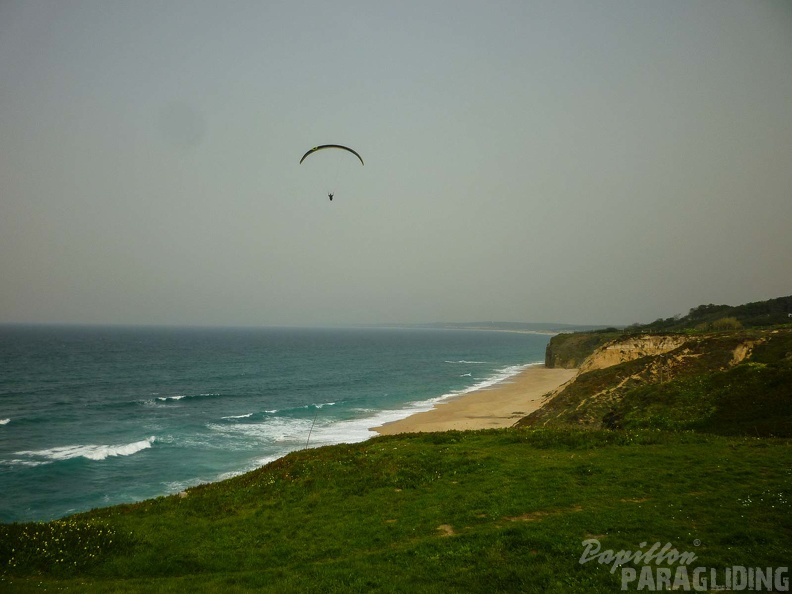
(542, 161)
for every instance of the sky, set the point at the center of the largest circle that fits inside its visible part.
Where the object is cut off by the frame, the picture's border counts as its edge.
(583, 162)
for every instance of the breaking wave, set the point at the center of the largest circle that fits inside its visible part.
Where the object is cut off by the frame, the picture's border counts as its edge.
(90, 452)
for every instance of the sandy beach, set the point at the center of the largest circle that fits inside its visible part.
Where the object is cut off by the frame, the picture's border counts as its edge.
(499, 406)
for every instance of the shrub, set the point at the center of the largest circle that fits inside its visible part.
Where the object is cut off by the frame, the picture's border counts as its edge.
(726, 324)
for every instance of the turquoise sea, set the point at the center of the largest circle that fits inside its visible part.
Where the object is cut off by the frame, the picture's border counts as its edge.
(93, 416)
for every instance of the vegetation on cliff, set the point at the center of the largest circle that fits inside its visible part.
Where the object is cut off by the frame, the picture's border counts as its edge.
(570, 350)
(760, 314)
(729, 383)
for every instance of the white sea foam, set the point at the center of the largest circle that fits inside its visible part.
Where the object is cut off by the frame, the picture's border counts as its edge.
(5, 421)
(20, 462)
(292, 433)
(179, 486)
(91, 452)
(280, 435)
(500, 376)
(238, 416)
(466, 362)
(320, 405)
(273, 430)
(177, 397)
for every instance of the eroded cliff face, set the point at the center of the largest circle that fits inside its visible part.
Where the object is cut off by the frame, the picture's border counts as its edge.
(629, 349)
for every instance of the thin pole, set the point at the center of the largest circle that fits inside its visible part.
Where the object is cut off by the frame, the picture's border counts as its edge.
(311, 430)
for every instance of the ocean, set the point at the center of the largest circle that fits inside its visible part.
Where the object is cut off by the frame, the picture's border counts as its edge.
(97, 416)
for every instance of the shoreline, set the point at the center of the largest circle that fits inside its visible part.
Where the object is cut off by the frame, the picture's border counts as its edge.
(495, 407)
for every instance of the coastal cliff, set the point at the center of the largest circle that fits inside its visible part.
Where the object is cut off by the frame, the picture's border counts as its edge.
(737, 382)
(600, 350)
(568, 351)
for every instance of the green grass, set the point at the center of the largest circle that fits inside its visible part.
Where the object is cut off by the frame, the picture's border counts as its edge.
(748, 399)
(500, 510)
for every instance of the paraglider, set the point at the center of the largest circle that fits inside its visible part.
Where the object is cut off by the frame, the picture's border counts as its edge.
(331, 146)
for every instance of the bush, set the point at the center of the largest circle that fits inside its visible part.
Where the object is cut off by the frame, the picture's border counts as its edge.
(726, 324)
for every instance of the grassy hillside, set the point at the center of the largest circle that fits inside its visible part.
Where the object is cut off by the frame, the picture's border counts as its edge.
(499, 510)
(696, 386)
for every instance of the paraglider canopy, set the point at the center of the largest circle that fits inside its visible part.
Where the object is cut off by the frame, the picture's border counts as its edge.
(337, 165)
(331, 146)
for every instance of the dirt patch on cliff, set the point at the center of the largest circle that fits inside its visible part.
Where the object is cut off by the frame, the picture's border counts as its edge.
(629, 349)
